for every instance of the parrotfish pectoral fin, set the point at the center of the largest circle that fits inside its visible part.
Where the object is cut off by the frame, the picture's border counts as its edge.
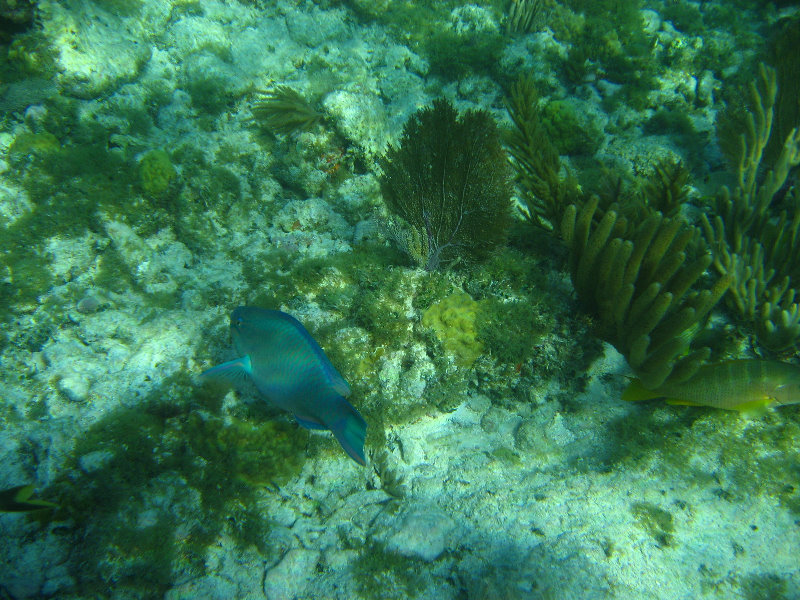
(636, 392)
(351, 431)
(233, 370)
(755, 408)
(677, 402)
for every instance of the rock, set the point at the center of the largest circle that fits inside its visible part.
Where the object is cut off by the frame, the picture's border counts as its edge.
(74, 387)
(706, 87)
(651, 21)
(558, 431)
(212, 587)
(290, 577)
(92, 461)
(88, 304)
(316, 27)
(423, 533)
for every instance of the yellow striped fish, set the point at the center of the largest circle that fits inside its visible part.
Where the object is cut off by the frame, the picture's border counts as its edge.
(743, 385)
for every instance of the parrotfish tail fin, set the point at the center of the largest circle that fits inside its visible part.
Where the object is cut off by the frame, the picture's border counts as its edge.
(351, 431)
(233, 370)
(636, 392)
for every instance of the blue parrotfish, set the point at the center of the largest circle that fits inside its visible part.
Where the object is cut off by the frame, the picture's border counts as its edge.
(743, 385)
(290, 369)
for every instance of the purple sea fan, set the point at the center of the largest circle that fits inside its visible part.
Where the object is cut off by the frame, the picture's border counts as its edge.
(448, 185)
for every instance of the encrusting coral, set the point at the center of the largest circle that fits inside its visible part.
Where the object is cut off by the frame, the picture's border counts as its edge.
(751, 241)
(156, 172)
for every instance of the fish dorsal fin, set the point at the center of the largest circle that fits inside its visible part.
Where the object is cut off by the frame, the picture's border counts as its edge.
(339, 385)
(233, 370)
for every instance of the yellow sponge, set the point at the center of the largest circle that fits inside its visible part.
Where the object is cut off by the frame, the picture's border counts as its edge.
(453, 321)
(156, 172)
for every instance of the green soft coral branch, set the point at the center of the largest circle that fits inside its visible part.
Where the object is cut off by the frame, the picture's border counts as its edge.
(283, 110)
(535, 159)
(758, 125)
(641, 289)
(778, 322)
(747, 207)
(757, 248)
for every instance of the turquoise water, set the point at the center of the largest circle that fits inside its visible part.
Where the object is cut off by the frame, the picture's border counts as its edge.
(162, 163)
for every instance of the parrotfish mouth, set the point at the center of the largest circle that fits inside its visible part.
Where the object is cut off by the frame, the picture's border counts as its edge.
(351, 431)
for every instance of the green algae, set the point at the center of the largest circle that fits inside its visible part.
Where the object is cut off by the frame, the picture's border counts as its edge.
(684, 16)
(209, 80)
(113, 273)
(34, 143)
(381, 574)
(762, 462)
(742, 459)
(670, 121)
(454, 55)
(510, 329)
(506, 456)
(175, 475)
(675, 122)
(224, 185)
(427, 28)
(571, 137)
(30, 54)
(123, 8)
(764, 585)
(656, 521)
(620, 49)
